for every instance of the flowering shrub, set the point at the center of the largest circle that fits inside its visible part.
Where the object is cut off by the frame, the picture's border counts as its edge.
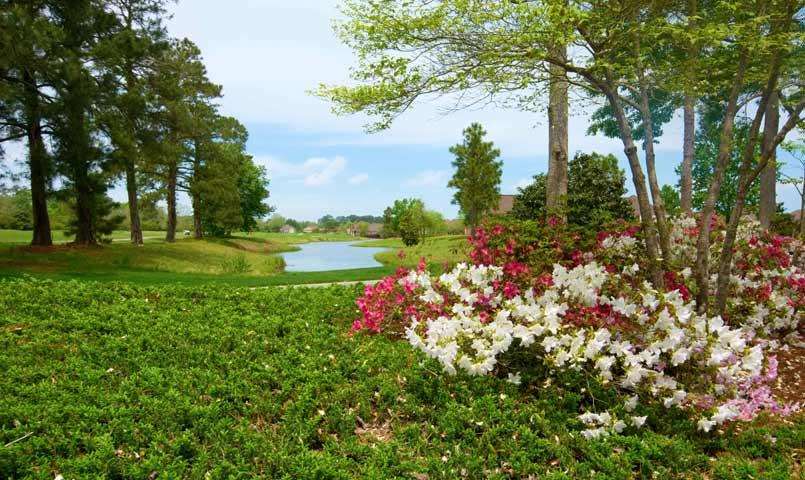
(767, 288)
(593, 312)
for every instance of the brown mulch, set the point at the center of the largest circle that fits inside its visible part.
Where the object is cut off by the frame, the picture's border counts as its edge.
(789, 386)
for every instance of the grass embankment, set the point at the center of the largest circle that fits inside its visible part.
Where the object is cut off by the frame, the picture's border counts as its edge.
(438, 251)
(119, 381)
(23, 237)
(244, 260)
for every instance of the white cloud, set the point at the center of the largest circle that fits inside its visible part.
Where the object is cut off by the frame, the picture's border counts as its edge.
(358, 179)
(428, 178)
(313, 172)
(523, 182)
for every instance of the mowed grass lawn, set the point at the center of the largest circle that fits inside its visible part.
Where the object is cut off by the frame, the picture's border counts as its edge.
(245, 260)
(437, 251)
(121, 381)
(23, 237)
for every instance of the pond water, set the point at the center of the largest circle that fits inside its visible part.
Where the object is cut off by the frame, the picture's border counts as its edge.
(323, 256)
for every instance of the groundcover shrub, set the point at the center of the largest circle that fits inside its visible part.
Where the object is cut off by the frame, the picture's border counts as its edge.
(120, 381)
(594, 313)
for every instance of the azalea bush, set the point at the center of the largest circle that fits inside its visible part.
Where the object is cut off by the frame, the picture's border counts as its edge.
(530, 289)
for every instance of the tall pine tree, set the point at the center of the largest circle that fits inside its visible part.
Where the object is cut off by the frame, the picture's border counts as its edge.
(477, 176)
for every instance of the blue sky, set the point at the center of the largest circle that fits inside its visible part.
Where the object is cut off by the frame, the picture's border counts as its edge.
(268, 54)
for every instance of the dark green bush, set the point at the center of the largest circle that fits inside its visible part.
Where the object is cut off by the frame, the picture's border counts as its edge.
(595, 194)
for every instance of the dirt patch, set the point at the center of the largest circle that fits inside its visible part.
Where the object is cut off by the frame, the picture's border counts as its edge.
(374, 431)
(789, 386)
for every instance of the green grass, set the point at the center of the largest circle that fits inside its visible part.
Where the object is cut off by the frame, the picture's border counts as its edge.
(23, 237)
(448, 249)
(243, 260)
(120, 381)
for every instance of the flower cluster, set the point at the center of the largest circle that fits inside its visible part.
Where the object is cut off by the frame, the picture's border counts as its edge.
(767, 288)
(594, 313)
(661, 350)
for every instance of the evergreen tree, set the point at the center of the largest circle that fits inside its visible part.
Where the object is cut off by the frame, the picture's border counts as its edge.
(79, 157)
(28, 37)
(477, 176)
(127, 58)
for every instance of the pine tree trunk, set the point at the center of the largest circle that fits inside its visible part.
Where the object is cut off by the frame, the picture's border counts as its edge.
(37, 163)
(85, 215)
(131, 163)
(768, 179)
(556, 182)
(134, 210)
(686, 177)
(702, 271)
(198, 231)
(85, 233)
(170, 235)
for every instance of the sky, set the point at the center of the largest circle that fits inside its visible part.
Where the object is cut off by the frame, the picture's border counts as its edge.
(268, 54)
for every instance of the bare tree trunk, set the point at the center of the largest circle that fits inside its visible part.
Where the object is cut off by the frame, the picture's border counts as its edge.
(198, 231)
(557, 138)
(170, 235)
(802, 209)
(689, 109)
(659, 206)
(747, 177)
(37, 163)
(768, 179)
(639, 179)
(724, 151)
(686, 178)
(131, 169)
(134, 210)
(85, 233)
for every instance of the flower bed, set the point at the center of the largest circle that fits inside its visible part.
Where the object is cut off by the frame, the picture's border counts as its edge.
(592, 311)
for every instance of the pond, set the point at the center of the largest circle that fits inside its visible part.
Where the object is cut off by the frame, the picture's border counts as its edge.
(323, 256)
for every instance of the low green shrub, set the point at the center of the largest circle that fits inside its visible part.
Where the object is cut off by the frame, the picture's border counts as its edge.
(117, 381)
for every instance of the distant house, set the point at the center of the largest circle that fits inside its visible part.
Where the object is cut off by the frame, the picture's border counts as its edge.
(287, 229)
(354, 230)
(374, 230)
(505, 205)
(796, 215)
(309, 229)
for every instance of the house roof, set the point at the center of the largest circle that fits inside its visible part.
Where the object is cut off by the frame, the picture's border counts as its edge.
(505, 205)
(796, 214)
(374, 227)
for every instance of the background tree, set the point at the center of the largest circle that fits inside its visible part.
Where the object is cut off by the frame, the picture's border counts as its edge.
(477, 175)
(79, 157)
(127, 58)
(409, 219)
(181, 87)
(596, 189)
(29, 37)
(672, 200)
(768, 177)
(797, 151)
(558, 118)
